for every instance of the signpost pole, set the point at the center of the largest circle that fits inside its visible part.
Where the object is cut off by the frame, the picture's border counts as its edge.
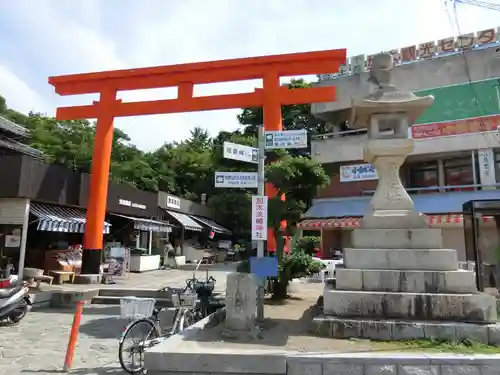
(261, 181)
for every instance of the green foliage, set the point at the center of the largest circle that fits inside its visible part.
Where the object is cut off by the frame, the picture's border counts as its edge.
(307, 244)
(295, 264)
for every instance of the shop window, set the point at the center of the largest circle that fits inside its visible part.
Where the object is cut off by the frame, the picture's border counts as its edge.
(458, 172)
(497, 166)
(423, 175)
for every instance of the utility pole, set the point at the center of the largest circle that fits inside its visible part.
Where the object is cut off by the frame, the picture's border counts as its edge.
(261, 180)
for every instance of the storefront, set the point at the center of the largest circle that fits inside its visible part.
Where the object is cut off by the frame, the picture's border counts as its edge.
(132, 214)
(196, 232)
(38, 213)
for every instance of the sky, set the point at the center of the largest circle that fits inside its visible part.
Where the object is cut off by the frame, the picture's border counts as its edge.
(42, 38)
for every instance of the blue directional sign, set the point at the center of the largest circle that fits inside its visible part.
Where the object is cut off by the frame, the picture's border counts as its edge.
(264, 266)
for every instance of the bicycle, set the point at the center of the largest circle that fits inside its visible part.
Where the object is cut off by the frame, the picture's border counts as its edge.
(187, 312)
(184, 316)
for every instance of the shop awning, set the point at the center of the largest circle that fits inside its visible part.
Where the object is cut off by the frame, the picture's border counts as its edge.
(148, 224)
(212, 224)
(354, 222)
(52, 218)
(185, 221)
(433, 204)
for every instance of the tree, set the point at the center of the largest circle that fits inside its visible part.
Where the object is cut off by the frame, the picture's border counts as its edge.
(299, 177)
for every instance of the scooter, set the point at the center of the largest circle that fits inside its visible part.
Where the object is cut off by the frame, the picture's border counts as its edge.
(14, 300)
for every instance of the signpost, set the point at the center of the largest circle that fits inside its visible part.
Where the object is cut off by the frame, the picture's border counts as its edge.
(261, 266)
(238, 152)
(286, 139)
(236, 180)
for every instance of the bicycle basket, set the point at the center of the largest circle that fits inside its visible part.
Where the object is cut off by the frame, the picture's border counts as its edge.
(136, 308)
(187, 301)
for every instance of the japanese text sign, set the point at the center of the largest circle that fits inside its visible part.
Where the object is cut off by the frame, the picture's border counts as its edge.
(235, 179)
(259, 217)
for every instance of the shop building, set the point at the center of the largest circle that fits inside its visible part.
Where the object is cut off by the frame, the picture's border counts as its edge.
(195, 231)
(13, 139)
(457, 145)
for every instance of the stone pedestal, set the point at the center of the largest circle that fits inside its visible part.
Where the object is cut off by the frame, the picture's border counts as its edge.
(241, 305)
(397, 275)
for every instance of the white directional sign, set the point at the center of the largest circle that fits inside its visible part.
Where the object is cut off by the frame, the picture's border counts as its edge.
(235, 179)
(259, 217)
(286, 139)
(238, 152)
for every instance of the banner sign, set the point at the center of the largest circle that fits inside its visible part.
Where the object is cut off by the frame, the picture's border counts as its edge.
(441, 129)
(259, 217)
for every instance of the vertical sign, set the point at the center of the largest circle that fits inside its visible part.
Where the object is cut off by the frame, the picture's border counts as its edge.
(259, 217)
(486, 161)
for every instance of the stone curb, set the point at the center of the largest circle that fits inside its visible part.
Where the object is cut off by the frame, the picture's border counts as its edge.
(392, 364)
(166, 357)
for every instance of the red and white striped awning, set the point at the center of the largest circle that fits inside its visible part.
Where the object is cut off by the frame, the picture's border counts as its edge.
(354, 222)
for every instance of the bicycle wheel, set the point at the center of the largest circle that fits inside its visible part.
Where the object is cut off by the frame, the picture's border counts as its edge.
(145, 330)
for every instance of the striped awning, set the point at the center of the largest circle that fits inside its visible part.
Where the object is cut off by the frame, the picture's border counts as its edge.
(354, 222)
(148, 224)
(52, 218)
(185, 221)
(212, 224)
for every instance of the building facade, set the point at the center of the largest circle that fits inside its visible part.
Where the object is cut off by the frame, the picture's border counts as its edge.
(457, 141)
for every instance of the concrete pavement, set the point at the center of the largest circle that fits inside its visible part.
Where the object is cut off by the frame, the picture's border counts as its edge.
(38, 344)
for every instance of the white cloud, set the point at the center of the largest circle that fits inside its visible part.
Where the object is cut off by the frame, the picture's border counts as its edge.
(18, 93)
(61, 37)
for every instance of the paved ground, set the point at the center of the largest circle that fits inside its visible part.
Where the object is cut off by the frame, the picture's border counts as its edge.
(38, 344)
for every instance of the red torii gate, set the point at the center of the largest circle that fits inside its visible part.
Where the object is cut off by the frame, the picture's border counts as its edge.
(184, 77)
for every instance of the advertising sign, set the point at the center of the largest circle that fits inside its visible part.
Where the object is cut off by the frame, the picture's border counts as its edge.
(425, 50)
(259, 217)
(441, 129)
(235, 179)
(238, 152)
(286, 139)
(357, 172)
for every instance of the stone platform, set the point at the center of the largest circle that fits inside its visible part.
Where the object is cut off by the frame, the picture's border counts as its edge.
(387, 330)
(478, 307)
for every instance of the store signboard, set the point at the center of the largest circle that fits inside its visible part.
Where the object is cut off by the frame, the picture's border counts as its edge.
(173, 202)
(235, 179)
(466, 126)
(259, 217)
(422, 51)
(486, 160)
(358, 172)
(238, 152)
(286, 139)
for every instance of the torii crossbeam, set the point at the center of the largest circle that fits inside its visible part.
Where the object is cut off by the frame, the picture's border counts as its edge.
(183, 76)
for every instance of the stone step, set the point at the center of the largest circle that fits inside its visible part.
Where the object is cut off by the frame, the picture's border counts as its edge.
(477, 307)
(429, 238)
(401, 259)
(406, 281)
(385, 330)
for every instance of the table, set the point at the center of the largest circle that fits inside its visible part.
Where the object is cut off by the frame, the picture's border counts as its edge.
(63, 276)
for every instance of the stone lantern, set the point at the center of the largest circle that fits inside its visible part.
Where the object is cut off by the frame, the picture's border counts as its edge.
(388, 113)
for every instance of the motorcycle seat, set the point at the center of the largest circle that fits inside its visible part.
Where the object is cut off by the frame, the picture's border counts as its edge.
(6, 293)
